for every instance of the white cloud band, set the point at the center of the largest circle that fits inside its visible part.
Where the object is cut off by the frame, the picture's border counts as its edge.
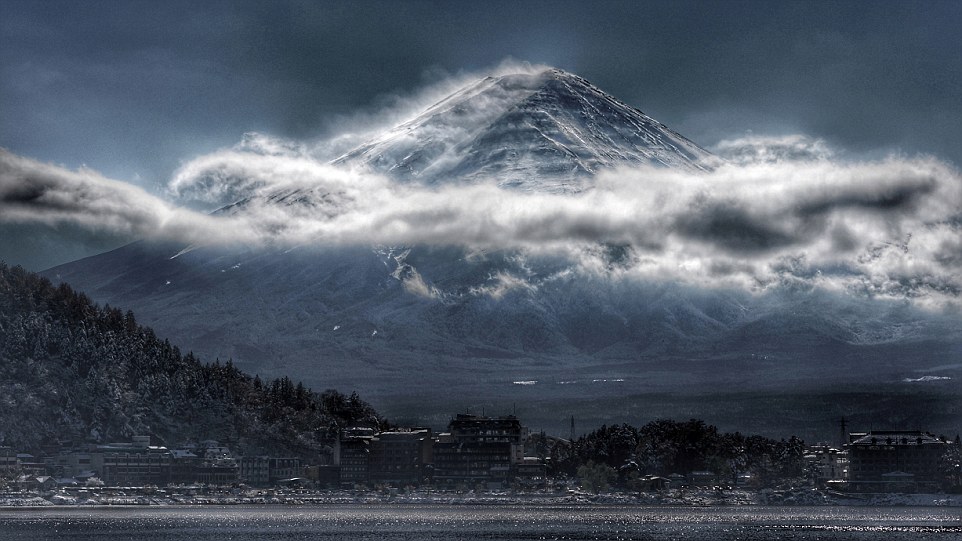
(784, 212)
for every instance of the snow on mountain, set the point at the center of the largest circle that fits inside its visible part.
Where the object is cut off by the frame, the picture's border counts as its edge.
(548, 131)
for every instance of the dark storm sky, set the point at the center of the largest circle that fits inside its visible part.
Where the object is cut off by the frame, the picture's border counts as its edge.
(133, 89)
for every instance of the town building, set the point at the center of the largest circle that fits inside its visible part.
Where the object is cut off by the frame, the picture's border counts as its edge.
(530, 472)
(219, 472)
(400, 457)
(183, 466)
(352, 454)
(895, 461)
(31, 465)
(262, 471)
(323, 475)
(282, 468)
(826, 465)
(71, 463)
(479, 450)
(9, 463)
(255, 470)
(131, 464)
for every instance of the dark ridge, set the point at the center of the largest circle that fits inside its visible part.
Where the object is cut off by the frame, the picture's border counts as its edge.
(71, 370)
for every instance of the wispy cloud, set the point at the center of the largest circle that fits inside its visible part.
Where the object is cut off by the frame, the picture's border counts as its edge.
(755, 149)
(349, 131)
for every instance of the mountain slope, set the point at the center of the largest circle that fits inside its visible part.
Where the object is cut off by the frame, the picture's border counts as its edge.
(72, 370)
(547, 131)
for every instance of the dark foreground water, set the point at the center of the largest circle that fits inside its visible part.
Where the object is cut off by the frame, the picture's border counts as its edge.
(418, 522)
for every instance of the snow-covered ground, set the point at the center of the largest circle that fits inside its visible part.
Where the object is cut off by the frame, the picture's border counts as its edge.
(678, 497)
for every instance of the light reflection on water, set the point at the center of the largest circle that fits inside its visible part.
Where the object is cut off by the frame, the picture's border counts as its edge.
(418, 522)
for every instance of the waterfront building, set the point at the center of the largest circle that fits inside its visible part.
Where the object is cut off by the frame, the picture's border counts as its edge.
(255, 470)
(131, 464)
(826, 464)
(895, 460)
(281, 468)
(400, 457)
(352, 454)
(479, 450)
(183, 466)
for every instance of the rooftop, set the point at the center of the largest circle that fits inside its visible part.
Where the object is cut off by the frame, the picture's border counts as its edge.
(896, 437)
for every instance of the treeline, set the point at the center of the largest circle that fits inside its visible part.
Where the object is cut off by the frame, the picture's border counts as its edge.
(70, 369)
(621, 454)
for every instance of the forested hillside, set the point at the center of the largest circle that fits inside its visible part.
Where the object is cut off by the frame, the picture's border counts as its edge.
(71, 370)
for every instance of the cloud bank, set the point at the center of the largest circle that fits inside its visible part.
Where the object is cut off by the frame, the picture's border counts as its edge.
(36, 192)
(779, 212)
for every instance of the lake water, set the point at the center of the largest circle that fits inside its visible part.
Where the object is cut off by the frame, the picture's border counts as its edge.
(538, 522)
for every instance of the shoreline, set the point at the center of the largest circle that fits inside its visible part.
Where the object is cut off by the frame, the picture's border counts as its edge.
(119, 498)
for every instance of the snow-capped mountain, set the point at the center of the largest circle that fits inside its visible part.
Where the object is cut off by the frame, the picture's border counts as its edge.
(435, 329)
(546, 131)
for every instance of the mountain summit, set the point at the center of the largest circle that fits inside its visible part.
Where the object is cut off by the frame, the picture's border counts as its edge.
(544, 131)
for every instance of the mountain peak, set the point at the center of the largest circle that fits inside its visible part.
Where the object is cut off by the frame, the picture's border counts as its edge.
(548, 130)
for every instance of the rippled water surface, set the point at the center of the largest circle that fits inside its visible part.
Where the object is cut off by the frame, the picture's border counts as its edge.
(417, 522)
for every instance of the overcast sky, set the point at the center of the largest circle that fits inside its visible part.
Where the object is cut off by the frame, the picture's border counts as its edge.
(135, 89)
